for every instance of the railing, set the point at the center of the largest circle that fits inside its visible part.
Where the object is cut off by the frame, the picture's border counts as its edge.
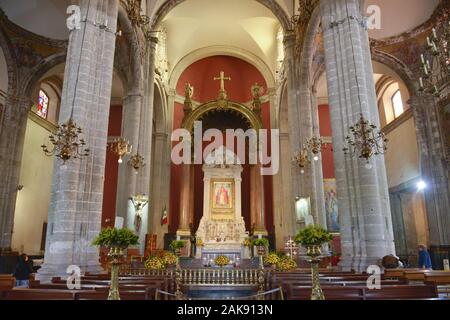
(233, 277)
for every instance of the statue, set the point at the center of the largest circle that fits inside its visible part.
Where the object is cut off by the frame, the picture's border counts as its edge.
(139, 202)
(188, 93)
(256, 94)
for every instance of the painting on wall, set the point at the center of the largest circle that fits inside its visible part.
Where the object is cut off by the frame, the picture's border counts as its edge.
(331, 205)
(222, 197)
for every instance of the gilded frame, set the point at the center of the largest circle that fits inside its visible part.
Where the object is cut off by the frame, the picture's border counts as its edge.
(222, 213)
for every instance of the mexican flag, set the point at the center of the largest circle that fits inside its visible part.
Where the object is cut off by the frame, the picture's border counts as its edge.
(164, 218)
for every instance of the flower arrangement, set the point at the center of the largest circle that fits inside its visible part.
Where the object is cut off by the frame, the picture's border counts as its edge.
(222, 260)
(169, 258)
(177, 245)
(247, 242)
(199, 243)
(272, 258)
(154, 263)
(261, 242)
(113, 237)
(286, 264)
(313, 236)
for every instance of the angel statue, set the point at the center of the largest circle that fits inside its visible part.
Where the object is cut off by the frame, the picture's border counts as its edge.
(256, 93)
(139, 202)
(188, 93)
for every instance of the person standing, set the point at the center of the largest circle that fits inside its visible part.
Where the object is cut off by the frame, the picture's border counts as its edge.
(23, 271)
(424, 257)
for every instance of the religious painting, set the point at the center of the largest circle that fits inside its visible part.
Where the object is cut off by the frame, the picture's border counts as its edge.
(302, 209)
(222, 196)
(331, 205)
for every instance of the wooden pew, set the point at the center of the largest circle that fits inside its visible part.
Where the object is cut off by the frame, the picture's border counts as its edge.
(36, 294)
(413, 292)
(7, 281)
(438, 277)
(330, 292)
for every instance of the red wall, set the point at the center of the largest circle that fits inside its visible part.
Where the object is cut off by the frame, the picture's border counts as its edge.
(111, 169)
(200, 75)
(325, 131)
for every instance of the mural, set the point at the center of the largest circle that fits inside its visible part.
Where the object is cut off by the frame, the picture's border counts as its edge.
(331, 205)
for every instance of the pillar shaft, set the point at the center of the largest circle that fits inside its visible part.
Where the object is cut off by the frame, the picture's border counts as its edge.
(183, 227)
(75, 212)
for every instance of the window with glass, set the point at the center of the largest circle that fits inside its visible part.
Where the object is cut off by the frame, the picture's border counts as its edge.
(397, 104)
(42, 109)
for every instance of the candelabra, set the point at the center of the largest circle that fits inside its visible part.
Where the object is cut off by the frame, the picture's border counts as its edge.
(366, 141)
(136, 161)
(66, 142)
(436, 74)
(121, 147)
(315, 146)
(301, 158)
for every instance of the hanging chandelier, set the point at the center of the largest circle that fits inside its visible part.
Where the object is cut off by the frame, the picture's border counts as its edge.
(133, 9)
(66, 142)
(436, 74)
(136, 161)
(315, 146)
(121, 147)
(301, 159)
(366, 142)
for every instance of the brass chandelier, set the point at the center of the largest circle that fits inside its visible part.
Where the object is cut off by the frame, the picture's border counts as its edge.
(121, 147)
(136, 161)
(366, 141)
(301, 158)
(133, 9)
(436, 75)
(67, 143)
(313, 146)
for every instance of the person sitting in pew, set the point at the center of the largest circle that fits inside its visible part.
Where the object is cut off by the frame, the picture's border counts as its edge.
(424, 257)
(23, 270)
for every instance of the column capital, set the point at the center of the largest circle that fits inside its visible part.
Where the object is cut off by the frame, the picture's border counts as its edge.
(289, 39)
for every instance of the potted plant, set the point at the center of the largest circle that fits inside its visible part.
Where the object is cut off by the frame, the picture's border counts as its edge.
(169, 258)
(272, 259)
(261, 244)
(286, 263)
(154, 263)
(312, 238)
(116, 240)
(177, 245)
(222, 260)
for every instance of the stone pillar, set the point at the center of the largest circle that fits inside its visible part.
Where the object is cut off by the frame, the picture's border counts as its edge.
(191, 196)
(12, 138)
(183, 227)
(433, 168)
(258, 198)
(365, 218)
(74, 218)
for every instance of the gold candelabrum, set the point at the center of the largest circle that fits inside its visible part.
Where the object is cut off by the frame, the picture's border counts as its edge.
(436, 74)
(133, 9)
(314, 252)
(121, 147)
(366, 142)
(115, 258)
(136, 161)
(313, 146)
(67, 143)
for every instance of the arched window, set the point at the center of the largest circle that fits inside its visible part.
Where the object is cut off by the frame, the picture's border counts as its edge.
(397, 104)
(42, 108)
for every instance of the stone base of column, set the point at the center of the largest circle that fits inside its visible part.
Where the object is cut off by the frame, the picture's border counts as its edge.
(358, 263)
(48, 271)
(183, 233)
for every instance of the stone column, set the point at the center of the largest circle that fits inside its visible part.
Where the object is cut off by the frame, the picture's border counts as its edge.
(258, 198)
(12, 138)
(183, 227)
(77, 192)
(191, 196)
(433, 168)
(365, 218)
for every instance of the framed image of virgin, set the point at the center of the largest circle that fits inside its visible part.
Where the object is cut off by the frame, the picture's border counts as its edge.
(222, 197)
(331, 205)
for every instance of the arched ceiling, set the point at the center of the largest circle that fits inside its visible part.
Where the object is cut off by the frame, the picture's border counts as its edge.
(243, 24)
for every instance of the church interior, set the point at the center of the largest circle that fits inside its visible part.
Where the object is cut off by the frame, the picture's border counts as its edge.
(211, 149)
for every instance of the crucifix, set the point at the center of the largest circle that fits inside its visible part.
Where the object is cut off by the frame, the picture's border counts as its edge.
(139, 201)
(222, 78)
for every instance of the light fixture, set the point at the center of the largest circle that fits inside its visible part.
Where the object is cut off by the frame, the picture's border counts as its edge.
(436, 74)
(133, 9)
(136, 161)
(301, 159)
(315, 145)
(121, 147)
(421, 185)
(366, 142)
(66, 142)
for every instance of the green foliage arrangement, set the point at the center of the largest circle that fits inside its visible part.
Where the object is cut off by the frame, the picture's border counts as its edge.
(154, 263)
(286, 264)
(272, 258)
(177, 245)
(313, 236)
(261, 242)
(113, 237)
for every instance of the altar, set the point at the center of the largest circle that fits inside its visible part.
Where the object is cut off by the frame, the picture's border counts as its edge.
(222, 228)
